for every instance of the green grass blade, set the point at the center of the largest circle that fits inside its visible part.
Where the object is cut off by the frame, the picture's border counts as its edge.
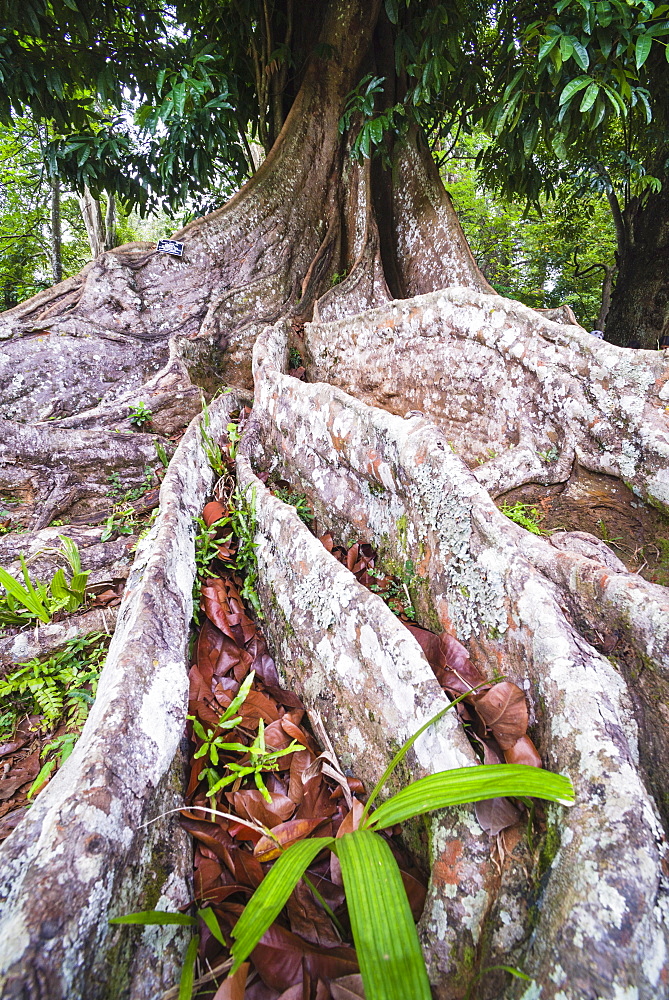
(154, 917)
(188, 971)
(472, 784)
(270, 897)
(211, 920)
(71, 550)
(403, 751)
(29, 600)
(384, 933)
(78, 586)
(58, 586)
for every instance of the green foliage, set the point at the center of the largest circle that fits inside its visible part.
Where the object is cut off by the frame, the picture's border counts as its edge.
(383, 931)
(360, 107)
(545, 256)
(60, 689)
(259, 759)
(397, 594)
(162, 454)
(297, 500)
(211, 448)
(25, 260)
(525, 515)
(23, 602)
(139, 415)
(212, 740)
(244, 524)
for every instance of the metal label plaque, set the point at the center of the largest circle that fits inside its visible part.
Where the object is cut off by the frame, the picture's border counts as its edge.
(171, 247)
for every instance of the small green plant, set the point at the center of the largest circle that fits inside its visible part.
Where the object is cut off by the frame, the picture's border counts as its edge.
(121, 521)
(140, 415)
(212, 739)
(550, 455)
(22, 603)
(605, 536)
(384, 933)
(234, 437)
(162, 454)
(525, 515)
(296, 500)
(294, 358)
(260, 758)
(338, 277)
(396, 593)
(242, 522)
(59, 689)
(211, 448)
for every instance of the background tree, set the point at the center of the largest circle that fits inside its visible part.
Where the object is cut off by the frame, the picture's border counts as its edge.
(585, 84)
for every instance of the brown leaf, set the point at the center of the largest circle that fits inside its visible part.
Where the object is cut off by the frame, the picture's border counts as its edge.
(416, 892)
(213, 511)
(24, 732)
(309, 919)
(327, 540)
(449, 660)
(250, 804)
(286, 833)
(350, 823)
(523, 751)
(503, 709)
(234, 986)
(279, 955)
(347, 988)
(11, 821)
(299, 762)
(495, 815)
(22, 773)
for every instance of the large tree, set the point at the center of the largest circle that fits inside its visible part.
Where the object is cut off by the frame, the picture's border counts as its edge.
(359, 264)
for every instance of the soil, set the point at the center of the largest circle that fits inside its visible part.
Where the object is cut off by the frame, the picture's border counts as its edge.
(603, 506)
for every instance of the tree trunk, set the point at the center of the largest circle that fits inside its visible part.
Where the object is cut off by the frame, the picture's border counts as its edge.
(55, 233)
(607, 290)
(110, 223)
(639, 312)
(92, 216)
(429, 395)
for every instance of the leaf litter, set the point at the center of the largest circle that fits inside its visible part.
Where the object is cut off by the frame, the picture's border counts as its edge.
(257, 764)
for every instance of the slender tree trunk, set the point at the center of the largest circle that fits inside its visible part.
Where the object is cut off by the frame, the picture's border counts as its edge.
(639, 311)
(607, 289)
(92, 216)
(56, 236)
(110, 223)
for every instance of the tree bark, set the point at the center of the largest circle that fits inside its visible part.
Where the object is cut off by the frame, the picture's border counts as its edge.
(428, 396)
(110, 223)
(91, 213)
(639, 312)
(55, 233)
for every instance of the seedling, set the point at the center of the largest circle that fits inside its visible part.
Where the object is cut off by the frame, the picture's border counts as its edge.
(234, 437)
(212, 739)
(296, 500)
(23, 602)
(260, 759)
(140, 415)
(525, 515)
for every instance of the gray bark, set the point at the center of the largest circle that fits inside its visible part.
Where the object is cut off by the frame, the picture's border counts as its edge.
(55, 232)
(91, 213)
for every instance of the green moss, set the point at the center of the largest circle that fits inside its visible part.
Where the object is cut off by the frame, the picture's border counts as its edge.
(402, 525)
(549, 848)
(376, 489)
